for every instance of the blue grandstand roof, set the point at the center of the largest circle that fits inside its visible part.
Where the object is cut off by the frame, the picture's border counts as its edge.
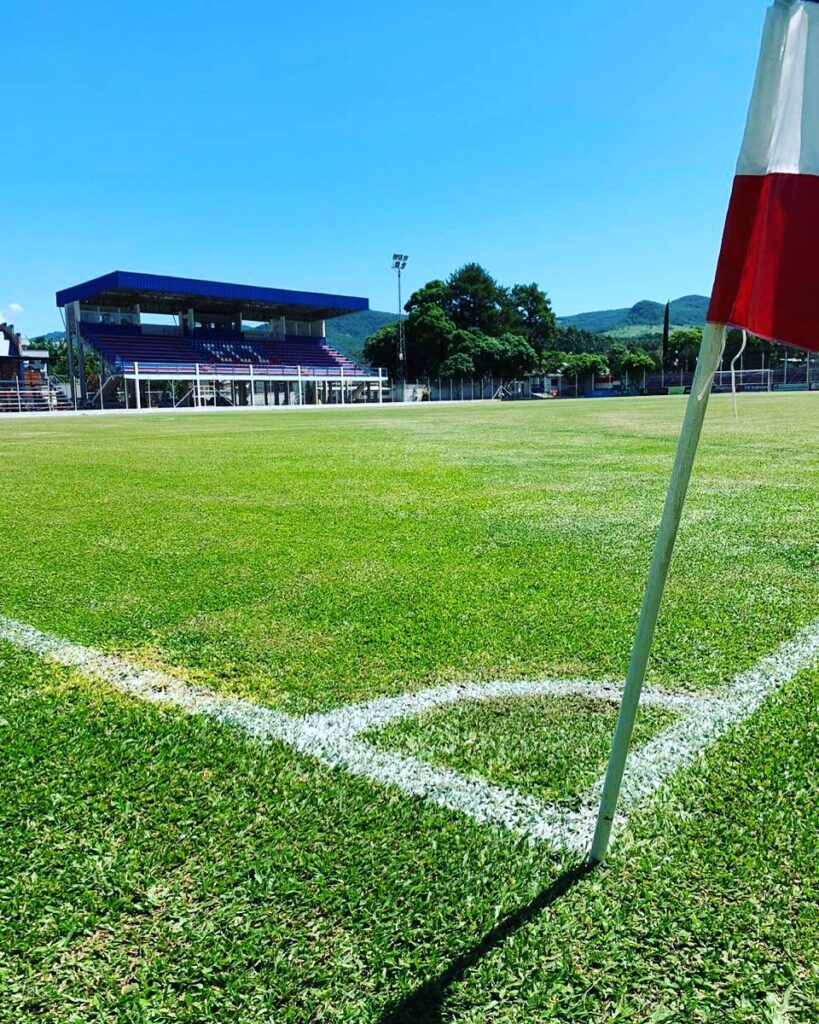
(159, 293)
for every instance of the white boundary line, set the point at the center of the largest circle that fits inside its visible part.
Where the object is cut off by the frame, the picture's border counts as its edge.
(332, 738)
(187, 410)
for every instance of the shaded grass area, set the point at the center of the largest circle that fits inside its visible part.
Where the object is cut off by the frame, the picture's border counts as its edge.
(311, 559)
(551, 747)
(161, 868)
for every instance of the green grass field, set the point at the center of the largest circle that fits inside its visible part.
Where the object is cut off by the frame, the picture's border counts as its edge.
(162, 868)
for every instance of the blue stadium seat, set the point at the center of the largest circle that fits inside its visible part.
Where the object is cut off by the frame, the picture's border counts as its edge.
(121, 344)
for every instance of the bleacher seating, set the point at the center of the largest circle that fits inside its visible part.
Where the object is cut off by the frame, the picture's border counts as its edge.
(124, 344)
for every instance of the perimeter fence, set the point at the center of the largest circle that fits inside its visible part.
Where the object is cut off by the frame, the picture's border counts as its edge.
(801, 377)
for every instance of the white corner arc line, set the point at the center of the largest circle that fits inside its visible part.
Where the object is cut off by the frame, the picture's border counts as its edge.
(331, 738)
(356, 718)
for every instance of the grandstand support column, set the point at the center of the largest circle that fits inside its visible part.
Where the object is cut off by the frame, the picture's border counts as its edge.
(136, 386)
(301, 387)
(72, 382)
(252, 385)
(197, 400)
(81, 370)
(380, 387)
(341, 372)
(81, 359)
(74, 321)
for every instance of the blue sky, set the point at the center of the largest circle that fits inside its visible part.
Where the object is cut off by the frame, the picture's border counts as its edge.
(589, 147)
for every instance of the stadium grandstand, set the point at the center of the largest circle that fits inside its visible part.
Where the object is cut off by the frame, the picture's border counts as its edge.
(172, 341)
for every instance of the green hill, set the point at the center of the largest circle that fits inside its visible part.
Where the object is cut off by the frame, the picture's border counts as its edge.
(348, 333)
(688, 311)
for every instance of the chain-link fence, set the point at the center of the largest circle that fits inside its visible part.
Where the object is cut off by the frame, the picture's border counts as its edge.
(792, 376)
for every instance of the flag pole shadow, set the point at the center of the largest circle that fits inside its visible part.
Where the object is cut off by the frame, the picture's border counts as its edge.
(425, 1004)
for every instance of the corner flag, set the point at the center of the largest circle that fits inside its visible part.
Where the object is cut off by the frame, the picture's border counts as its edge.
(768, 273)
(767, 282)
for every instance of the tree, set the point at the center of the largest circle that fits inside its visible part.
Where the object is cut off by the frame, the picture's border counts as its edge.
(637, 362)
(381, 348)
(429, 334)
(475, 300)
(685, 344)
(583, 367)
(617, 353)
(531, 306)
(483, 351)
(433, 293)
(459, 364)
(58, 356)
(575, 339)
(553, 361)
(492, 330)
(516, 357)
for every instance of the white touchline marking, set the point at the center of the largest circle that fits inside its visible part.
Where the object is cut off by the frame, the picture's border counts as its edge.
(332, 738)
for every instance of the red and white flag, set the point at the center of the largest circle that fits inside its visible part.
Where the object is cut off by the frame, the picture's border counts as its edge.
(768, 273)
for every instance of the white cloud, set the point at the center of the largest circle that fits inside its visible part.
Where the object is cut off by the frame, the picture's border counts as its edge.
(8, 314)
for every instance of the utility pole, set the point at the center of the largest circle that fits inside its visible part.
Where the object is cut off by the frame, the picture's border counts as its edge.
(399, 262)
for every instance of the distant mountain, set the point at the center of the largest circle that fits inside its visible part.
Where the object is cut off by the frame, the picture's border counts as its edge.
(348, 333)
(688, 311)
(50, 336)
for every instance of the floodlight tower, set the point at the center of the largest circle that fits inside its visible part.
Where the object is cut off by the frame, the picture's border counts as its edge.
(399, 262)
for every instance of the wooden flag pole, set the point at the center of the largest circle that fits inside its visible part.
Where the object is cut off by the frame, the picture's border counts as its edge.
(710, 351)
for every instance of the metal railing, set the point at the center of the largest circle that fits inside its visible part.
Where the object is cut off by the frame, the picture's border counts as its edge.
(17, 397)
(456, 389)
(251, 371)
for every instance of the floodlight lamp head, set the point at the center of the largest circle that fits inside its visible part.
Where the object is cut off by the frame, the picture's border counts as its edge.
(399, 261)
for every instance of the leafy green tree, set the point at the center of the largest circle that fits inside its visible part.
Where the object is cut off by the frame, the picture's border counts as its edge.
(429, 333)
(616, 354)
(532, 308)
(582, 367)
(636, 363)
(492, 330)
(381, 348)
(685, 344)
(433, 293)
(483, 351)
(553, 361)
(459, 364)
(575, 339)
(476, 301)
(58, 356)
(517, 357)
